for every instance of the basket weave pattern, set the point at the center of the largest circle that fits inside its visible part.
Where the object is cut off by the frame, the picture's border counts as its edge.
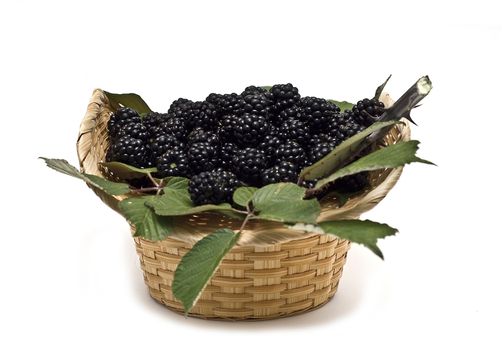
(272, 271)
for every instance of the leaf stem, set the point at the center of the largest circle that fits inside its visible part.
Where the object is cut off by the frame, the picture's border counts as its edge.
(153, 180)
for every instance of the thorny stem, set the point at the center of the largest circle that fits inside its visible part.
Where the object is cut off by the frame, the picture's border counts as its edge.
(145, 189)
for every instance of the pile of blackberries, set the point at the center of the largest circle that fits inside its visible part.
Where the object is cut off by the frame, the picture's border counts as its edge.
(254, 138)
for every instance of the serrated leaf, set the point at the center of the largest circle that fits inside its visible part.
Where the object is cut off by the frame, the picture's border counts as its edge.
(148, 224)
(126, 171)
(130, 100)
(198, 266)
(363, 232)
(284, 202)
(109, 187)
(178, 183)
(176, 202)
(341, 153)
(267, 87)
(242, 195)
(391, 156)
(343, 105)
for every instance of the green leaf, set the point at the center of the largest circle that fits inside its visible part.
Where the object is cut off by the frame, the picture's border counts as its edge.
(147, 223)
(391, 156)
(340, 154)
(178, 183)
(198, 266)
(126, 171)
(343, 105)
(284, 202)
(130, 100)
(358, 231)
(243, 195)
(109, 187)
(267, 87)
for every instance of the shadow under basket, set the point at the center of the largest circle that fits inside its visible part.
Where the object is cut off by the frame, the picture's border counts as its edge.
(273, 271)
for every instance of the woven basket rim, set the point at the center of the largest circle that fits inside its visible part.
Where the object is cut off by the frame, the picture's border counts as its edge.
(256, 235)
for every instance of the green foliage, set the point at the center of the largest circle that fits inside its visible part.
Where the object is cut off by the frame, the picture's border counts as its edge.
(343, 105)
(130, 100)
(109, 187)
(199, 264)
(148, 224)
(126, 171)
(363, 232)
(392, 156)
(340, 154)
(243, 195)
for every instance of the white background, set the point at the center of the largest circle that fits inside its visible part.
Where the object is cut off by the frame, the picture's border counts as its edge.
(70, 278)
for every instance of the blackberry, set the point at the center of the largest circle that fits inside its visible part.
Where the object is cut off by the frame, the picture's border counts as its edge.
(227, 103)
(250, 129)
(318, 112)
(257, 104)
(162, 143)
(202, 156)
(316, 139)
(178, 103)
(319, 151)
(293, 112)
(253, 90)
(152, 122)
(176, 126)
(121, 118)
(248, 164)
(282, 172)
(135, 130)
(180, 108)
(212, 187)
(292, 152)
(366, 111)
(228, 125)
(269, 145)
(130, 151)
(352, 183)
(296, 130)
(203, 115)
(173, 163)
(227, 154)
(343, 126)
(285, 95)
(200, 135)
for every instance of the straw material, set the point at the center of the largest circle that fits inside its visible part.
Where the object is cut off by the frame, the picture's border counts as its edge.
(273, 271)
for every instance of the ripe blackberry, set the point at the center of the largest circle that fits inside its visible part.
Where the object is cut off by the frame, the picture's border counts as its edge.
(296, 130)
(319, 151)
(153, 120)
(253, 90)
(130, 151)
(176, 126)
(293, 112)
(269, 145)
(203, 115)
(292, 152)
(228, 125)
(227, 103)
(316, 139)
(174, 162)
(177, 103)
(282, 172)
(162, 143)
(250, 129)
(180, 108)
(227, 154)
(121, 118)
(202, 156)
(257, 104)
(318, 112)
(366, 111)
(212, 187)
(285, 95)
(135, 130)
(343, 126)
(352, 183)
(200, 135)
(248, 164)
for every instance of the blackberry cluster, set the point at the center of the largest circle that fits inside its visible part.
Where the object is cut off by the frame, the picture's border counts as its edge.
(258, 137)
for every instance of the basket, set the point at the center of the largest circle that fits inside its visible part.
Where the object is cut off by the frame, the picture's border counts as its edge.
(272, 272)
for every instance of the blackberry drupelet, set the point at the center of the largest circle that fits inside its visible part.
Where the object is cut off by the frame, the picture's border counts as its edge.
(285, 95)
(318, 112)
(352, 183)
(121, 118)
(135, 130)
(200, 135)
(292, 152)
(227, 103)
(282, 172)
(295, 130)
(269, 145)
(250, 129)
(162, 143)
(248, 164)
(253, 90)
(212, 187)
(257, 104)
(227, 154)
(318, 151)
(366, 111)
(174, 162)
(202, 156)
(130, 151)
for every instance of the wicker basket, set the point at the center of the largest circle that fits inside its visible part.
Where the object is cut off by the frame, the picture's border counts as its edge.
(272, 271)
